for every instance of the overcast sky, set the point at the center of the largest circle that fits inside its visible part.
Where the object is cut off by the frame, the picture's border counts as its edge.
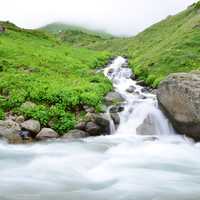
(126, 17)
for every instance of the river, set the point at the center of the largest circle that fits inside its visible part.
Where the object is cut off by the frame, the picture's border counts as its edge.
(121, 166)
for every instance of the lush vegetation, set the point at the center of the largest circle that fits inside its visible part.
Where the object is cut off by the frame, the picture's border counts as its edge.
(59, 79)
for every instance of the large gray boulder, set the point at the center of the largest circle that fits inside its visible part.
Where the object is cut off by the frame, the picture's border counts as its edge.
(93, 129)
(179, 97)
(75, 134)
(102, 123)
(147, 127)
(46, 133)
(113, 98)
(31, 125)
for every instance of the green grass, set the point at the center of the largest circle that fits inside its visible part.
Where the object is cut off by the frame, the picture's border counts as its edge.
(60, 79)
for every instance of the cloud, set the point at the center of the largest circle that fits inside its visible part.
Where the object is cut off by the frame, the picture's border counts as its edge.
(121, 17)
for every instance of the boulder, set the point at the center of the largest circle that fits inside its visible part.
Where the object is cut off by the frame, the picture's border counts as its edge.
(116, 109)
(31, 125)
(75, 134)
(20, 119)
(131, 89)
(93, 129)
(46, 133)
(147, 127)
(179, 97)
(10, 131)
(81, 126)
(113, 98)
(101, 120)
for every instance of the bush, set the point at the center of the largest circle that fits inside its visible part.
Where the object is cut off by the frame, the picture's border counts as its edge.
(2, 114)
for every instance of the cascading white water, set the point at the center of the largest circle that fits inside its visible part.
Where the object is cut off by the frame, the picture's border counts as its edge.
(122, 166)
(139, 105)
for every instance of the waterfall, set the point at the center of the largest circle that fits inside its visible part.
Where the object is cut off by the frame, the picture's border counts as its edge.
(140, 106)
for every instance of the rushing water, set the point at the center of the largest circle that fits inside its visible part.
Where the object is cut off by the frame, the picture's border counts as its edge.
(122, 166)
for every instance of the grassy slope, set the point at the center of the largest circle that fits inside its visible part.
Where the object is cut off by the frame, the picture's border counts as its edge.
(172, 45)
(60, 79)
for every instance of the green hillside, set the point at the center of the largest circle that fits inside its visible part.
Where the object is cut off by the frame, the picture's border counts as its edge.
(59, 79)
(58, 27)
(172, 45)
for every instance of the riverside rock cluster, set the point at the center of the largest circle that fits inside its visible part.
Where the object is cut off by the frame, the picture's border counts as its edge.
(17, 130)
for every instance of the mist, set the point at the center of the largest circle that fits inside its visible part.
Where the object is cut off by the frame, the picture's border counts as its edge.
(118, 17)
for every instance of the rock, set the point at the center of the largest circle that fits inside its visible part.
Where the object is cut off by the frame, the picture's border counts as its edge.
(13, 138)
(10, 130)
(2, 29)
(113, 98)
(28, 105)
(93, 129)
(75, 134)
(101, 121)
(179, 97)
(81, 126)
(115, 117)
(131, 89)
(110, 71)
(116, 109)
(46, 133)
(20, 119)
(147, 127)
(31, 125)
(133, 77)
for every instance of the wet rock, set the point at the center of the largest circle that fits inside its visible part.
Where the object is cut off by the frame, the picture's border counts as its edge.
(46, 133)
(133, 77)
(147, 127)
(31, 125)
(131, 89)
(116, 109)
(81, 126)
(93, 129)
(75, 134)
(115, 117)
(179, 97)
(100, 120)
(110, 71)
(13, 138)
(113, 98)
(20, 119)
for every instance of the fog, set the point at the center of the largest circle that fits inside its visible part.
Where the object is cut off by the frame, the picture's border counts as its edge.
(119, 17)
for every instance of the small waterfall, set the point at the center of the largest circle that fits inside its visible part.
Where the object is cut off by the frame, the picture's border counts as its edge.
(141, 110)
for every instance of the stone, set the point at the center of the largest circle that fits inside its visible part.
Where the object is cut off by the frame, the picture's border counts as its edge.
(179, 97)
(89, 109)
(147, 127)
(113, 98)
(20, 119)
(141, 83)
(101, 120)
(46, 133)
(75, 134)
(131, 89)
(10, 130)
(81, 126)
(31, 125)
(116, 109)
(93, 129)
(133, 77)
